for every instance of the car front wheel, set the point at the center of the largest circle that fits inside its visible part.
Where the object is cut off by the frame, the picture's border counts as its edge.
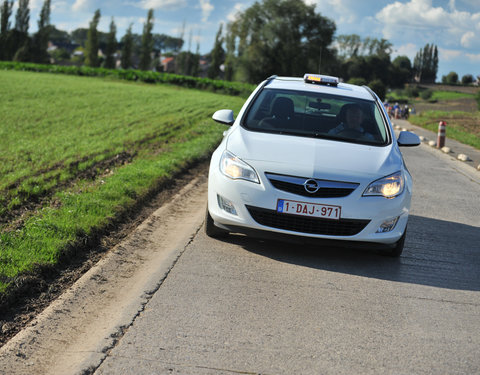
(211, 230)
(398, 249)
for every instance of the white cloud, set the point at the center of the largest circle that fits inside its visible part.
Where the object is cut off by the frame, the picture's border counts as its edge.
(207, 8)
(470, 4)
(163, 4)
(232, 16)
(124, 22)
(72, 25)
(424, 22)
(59, 6)
(409, 50)
(416, 14)
(451, 5)
(341, 11)
(449, 54)
(475, 58)
(467, 39)
(35, 4)
(82, 5)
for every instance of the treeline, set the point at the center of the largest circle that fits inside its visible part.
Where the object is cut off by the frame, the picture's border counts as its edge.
(453, 79)
(283, 37)
(83, 46)
(288, 37)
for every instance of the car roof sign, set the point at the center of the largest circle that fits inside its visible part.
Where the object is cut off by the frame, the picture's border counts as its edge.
(321, 79)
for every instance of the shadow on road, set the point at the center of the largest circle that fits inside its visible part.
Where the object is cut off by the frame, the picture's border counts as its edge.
(437, 253)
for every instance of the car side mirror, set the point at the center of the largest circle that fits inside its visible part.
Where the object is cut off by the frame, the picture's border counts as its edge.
(224, 116)
(408, 139)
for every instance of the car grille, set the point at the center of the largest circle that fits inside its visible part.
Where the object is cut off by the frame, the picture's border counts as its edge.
(295, 223)
(327, 189)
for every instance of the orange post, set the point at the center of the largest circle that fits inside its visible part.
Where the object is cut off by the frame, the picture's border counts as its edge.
(442, 125)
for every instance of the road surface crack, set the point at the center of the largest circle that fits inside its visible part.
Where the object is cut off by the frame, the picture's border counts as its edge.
(122, 330)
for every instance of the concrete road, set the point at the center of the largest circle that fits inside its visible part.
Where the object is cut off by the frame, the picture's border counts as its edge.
(244, 306)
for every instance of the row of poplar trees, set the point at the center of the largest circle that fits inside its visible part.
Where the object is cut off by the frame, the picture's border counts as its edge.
(92, 44)
(15, 42)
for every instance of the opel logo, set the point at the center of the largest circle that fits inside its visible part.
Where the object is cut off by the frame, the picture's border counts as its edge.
(311, 186)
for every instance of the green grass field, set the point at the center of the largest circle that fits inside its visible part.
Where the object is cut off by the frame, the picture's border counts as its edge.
(76, 152)
(451, 95)
(436, 96)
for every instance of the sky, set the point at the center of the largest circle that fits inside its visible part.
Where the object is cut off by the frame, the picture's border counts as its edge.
(452, 25)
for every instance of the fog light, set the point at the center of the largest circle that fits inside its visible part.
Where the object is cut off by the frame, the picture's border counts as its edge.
(226, 205)
(387, 225)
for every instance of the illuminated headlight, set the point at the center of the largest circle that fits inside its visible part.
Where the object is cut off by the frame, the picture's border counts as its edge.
(237, 169)
(388, 187)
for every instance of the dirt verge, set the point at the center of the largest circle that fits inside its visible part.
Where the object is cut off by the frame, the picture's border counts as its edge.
(35, 291)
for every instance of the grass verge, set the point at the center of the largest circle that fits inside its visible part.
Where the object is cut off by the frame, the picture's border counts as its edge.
(461, 126)
(64, 178)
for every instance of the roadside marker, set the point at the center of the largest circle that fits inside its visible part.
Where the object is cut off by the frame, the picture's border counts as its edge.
(441, 134)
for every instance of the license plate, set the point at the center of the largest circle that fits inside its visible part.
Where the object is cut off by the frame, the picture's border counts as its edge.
(324, 211)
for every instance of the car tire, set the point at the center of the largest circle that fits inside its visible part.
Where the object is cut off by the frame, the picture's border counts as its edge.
(398, 249)
(211, 229)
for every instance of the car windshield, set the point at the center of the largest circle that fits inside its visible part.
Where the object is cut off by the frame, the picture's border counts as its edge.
(319, 115)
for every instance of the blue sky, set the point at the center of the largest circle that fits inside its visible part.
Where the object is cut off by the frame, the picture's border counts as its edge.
(453, 25)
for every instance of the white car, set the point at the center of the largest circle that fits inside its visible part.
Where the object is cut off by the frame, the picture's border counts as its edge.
(315, 158)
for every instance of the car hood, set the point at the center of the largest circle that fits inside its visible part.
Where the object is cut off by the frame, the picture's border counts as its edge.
(313, 157)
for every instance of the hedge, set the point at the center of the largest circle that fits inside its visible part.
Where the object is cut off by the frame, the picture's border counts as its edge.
(223, 87)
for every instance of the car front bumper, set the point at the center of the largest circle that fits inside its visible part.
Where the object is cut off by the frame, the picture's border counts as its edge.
(255, 206)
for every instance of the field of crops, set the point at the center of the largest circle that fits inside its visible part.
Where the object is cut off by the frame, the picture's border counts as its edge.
(75, 152)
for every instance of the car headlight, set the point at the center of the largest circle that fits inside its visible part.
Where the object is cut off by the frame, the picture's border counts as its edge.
(388, 187)
(237, 169)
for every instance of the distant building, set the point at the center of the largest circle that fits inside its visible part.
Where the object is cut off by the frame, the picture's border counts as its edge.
(168, 64)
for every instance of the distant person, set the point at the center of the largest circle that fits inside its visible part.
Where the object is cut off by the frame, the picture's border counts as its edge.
(396, 110)
(352, 120)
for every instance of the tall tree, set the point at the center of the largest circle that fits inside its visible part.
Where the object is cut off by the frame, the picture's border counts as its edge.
(91, 46)
(349, 46)
(467, 79)
(196, 65)
(166, 43)
(147, 43)
(451, 78)
(217, 55)
(425, 64)
(230, 54)
(19, 39)
(127, 49)
(22, 18)
(401, 71)
(187, 63)
(285, 37)
(111, 46)
(40, 39)
(5, 13)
